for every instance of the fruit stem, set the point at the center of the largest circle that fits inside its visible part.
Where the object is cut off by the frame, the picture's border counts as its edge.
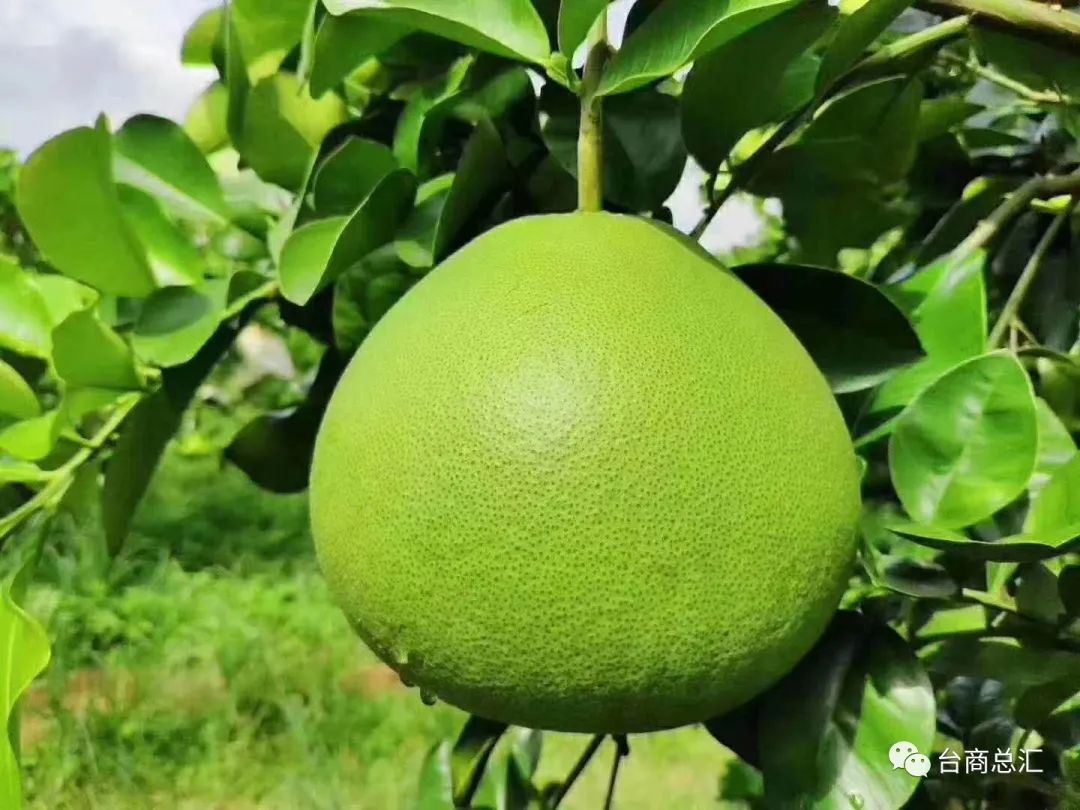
(622, 749)
(591, 135)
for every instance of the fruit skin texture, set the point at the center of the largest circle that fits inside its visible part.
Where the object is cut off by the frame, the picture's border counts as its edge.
(581, 478)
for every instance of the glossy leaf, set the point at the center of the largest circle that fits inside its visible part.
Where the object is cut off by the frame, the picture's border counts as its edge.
(967, 446)
(283, 126)
(25, 324)
(176, 322)
(349, 174)
(206, 120)
(760, 77)
(856, 33)
(834, 180)
(1023, 547)
(344, 43)
(62, 295)
(470, 756)
(825, 730)
(435, 790)
(32, 439)
(947, 305)
(202, 37)
(17, 398)
(644, 153)
(510, 28)
(576, 18)
(68, 202)
(856, 335)
(173, 259)
(145, 435)
(320, 251)
(1056, 447)
(680, 32)
(422, 120)
(1057, 506)
(275, 450)
(24, 654)
(1036, 64)
(156, 155)
(89, 354)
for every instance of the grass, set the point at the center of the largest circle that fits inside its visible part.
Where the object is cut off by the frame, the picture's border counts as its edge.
(207, 667)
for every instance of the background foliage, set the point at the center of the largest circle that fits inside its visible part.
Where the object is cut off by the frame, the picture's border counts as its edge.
(192, 292)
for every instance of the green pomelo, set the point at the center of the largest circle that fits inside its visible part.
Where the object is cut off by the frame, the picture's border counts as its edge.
(581, 478)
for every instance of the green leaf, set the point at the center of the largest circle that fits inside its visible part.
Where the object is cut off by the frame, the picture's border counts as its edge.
(206, 122)
(644, 153)
(435, 789)
(856, 33)
(1014, 548)
(826, 729)
(25, 324)
(17, 398)
(349, 174)
(967, 446)
(283, 127)
(470, 756)
(760, 77)
(482, 171)
(947, 305)
(173, 259)
(24, 654)
(835, 181)
(68, 202)
(268, 30)
(89, 354)
(203, 38)
(1039, 65)
(855, 334)
(32, 439)
(509, 28)
(1056, 447)
(63, 296)
(576, 18)
(146, 433)
(365, 292)
(275, 450)
(344, 43)
(425, 113)
(317, 253)
(680, 32)
(1057, 506)
(176, 322)
(156, 155)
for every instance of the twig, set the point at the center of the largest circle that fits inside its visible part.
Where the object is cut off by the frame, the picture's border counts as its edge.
(579, 767)
(1027, 277)
(1019, 16)
(1001, 80)
(61, 479)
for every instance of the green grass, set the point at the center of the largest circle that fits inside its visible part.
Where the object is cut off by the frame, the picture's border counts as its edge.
(207, 667)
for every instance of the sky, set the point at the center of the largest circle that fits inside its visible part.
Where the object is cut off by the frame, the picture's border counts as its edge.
(63, 62)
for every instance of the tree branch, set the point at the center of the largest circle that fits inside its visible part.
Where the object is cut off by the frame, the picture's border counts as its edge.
(1017, 16)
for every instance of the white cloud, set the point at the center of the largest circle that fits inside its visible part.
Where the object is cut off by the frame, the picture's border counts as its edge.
(62, 63)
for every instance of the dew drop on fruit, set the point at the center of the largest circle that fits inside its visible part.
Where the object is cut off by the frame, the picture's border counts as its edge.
(428, 698)
(404, 678)
(857, 801)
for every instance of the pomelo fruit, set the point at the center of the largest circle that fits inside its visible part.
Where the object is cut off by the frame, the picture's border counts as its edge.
(581, 478)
